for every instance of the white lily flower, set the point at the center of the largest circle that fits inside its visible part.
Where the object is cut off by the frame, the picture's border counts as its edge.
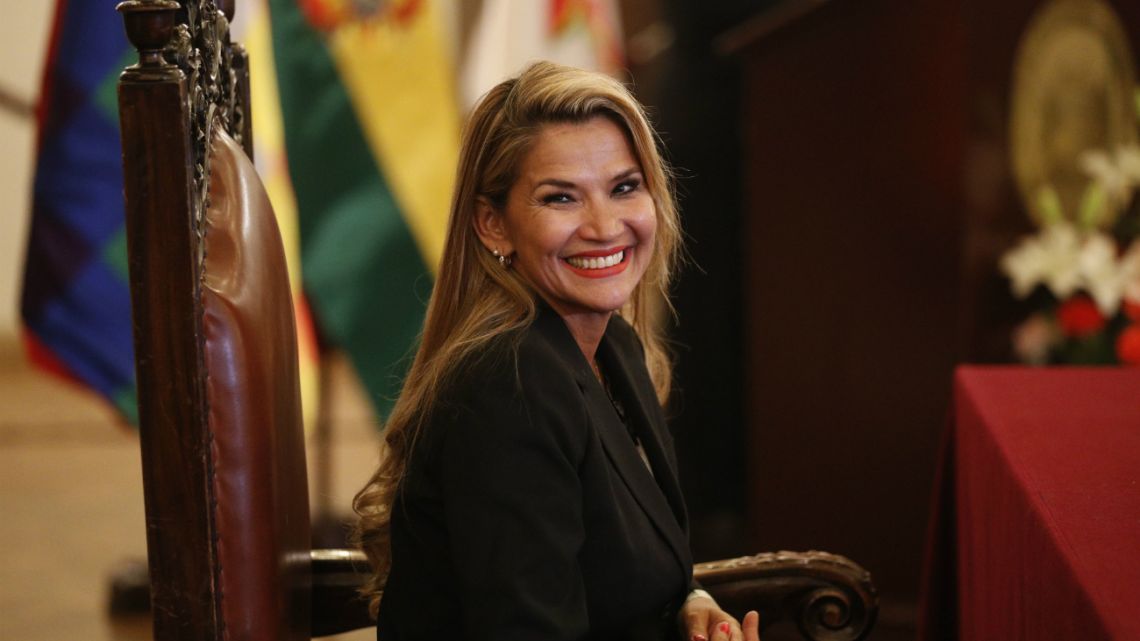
(1100, 273)
(1051, 257)
(1099, 165)
(1117, 174)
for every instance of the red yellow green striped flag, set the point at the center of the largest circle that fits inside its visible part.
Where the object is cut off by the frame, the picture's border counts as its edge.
(372, 130)
(251, 28)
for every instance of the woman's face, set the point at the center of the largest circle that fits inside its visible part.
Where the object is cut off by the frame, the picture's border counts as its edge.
(579, 221)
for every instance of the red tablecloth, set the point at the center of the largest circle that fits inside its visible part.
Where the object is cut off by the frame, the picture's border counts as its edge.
(1036, 531)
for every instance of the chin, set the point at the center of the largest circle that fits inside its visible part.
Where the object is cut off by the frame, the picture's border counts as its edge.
(607, 306)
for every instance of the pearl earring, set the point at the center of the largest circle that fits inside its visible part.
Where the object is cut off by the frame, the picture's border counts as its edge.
(505, 261)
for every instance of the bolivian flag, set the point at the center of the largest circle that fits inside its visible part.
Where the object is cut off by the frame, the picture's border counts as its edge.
(372, 133)
(251, 28)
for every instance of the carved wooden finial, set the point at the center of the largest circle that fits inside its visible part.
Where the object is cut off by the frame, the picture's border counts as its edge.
(150, 25)
(226, 7)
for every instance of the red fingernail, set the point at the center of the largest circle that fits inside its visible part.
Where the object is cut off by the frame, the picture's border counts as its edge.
(700, 637)
(724, 627)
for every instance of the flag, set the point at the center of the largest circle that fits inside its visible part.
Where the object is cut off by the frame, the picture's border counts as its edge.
(76, 297)
(75, 303)
(510, 34)
(251, 28)
(372, 135)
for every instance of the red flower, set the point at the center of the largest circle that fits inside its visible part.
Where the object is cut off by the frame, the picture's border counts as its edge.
(1079, 317)
(1132, 309)
(1128, 345)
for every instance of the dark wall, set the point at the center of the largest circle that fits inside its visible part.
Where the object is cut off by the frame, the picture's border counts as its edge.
(853, 126)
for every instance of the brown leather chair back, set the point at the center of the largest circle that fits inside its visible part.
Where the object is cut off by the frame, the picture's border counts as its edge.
(261, 509)
(220, 430)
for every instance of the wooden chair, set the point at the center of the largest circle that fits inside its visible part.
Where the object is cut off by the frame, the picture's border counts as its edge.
(227, 510)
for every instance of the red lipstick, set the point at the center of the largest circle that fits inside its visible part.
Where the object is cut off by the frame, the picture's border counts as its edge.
(600, 272)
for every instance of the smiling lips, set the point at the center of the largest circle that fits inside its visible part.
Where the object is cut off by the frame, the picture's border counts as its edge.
(598, 264)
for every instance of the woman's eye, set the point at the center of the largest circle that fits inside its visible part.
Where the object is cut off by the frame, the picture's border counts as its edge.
(627, 186)
(556, 199)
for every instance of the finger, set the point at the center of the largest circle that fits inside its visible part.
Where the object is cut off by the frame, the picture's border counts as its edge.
(697, 625)
(722, 631)
(751, 625)
(737, 635)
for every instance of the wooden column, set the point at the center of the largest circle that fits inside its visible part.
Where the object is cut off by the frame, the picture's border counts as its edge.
(164, 272)
(853, 122)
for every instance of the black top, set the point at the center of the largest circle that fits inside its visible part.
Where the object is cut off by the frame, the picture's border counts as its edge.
(526, 511)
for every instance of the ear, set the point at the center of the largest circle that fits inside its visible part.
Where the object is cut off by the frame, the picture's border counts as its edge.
(491, 227)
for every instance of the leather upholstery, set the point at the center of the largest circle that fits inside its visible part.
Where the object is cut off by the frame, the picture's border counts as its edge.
(259, 479)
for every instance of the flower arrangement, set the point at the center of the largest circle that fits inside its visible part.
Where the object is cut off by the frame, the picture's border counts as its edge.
(1084, 270)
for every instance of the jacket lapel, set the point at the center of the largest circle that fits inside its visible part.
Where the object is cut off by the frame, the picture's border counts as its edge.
(644, 414)
(668, 519)
(622, 453)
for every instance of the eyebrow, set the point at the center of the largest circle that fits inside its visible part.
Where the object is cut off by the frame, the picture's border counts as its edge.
(554, 182)
(566, 184)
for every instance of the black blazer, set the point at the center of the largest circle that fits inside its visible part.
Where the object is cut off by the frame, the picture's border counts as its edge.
(526, 511)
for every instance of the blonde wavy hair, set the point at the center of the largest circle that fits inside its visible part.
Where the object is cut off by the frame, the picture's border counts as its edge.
(475, 299)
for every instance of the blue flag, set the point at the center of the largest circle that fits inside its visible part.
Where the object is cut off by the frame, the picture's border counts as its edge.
(76, 299)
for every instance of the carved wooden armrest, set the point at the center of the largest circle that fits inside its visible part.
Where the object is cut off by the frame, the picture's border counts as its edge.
(829, 597)
(337, 605)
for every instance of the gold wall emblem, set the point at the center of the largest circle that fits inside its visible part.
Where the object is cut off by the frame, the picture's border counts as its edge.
(1073, 91)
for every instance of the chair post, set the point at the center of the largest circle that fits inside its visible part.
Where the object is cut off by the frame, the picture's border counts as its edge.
(163, 251)
(241, 121)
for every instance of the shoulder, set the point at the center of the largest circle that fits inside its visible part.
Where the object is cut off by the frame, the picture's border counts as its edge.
(520, 388)
(532, 362)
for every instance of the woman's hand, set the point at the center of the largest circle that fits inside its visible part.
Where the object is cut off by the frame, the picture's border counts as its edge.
(701, 619)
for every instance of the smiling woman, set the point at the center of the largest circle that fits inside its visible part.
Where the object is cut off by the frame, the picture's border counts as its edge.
(579, 223)
(527, 487)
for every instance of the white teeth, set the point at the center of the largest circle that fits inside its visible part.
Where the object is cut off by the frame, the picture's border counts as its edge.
(596, 263)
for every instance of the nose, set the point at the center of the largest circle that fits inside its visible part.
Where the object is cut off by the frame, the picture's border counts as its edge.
(601, 222)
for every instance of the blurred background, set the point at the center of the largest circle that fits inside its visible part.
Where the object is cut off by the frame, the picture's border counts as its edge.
(851, 174)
